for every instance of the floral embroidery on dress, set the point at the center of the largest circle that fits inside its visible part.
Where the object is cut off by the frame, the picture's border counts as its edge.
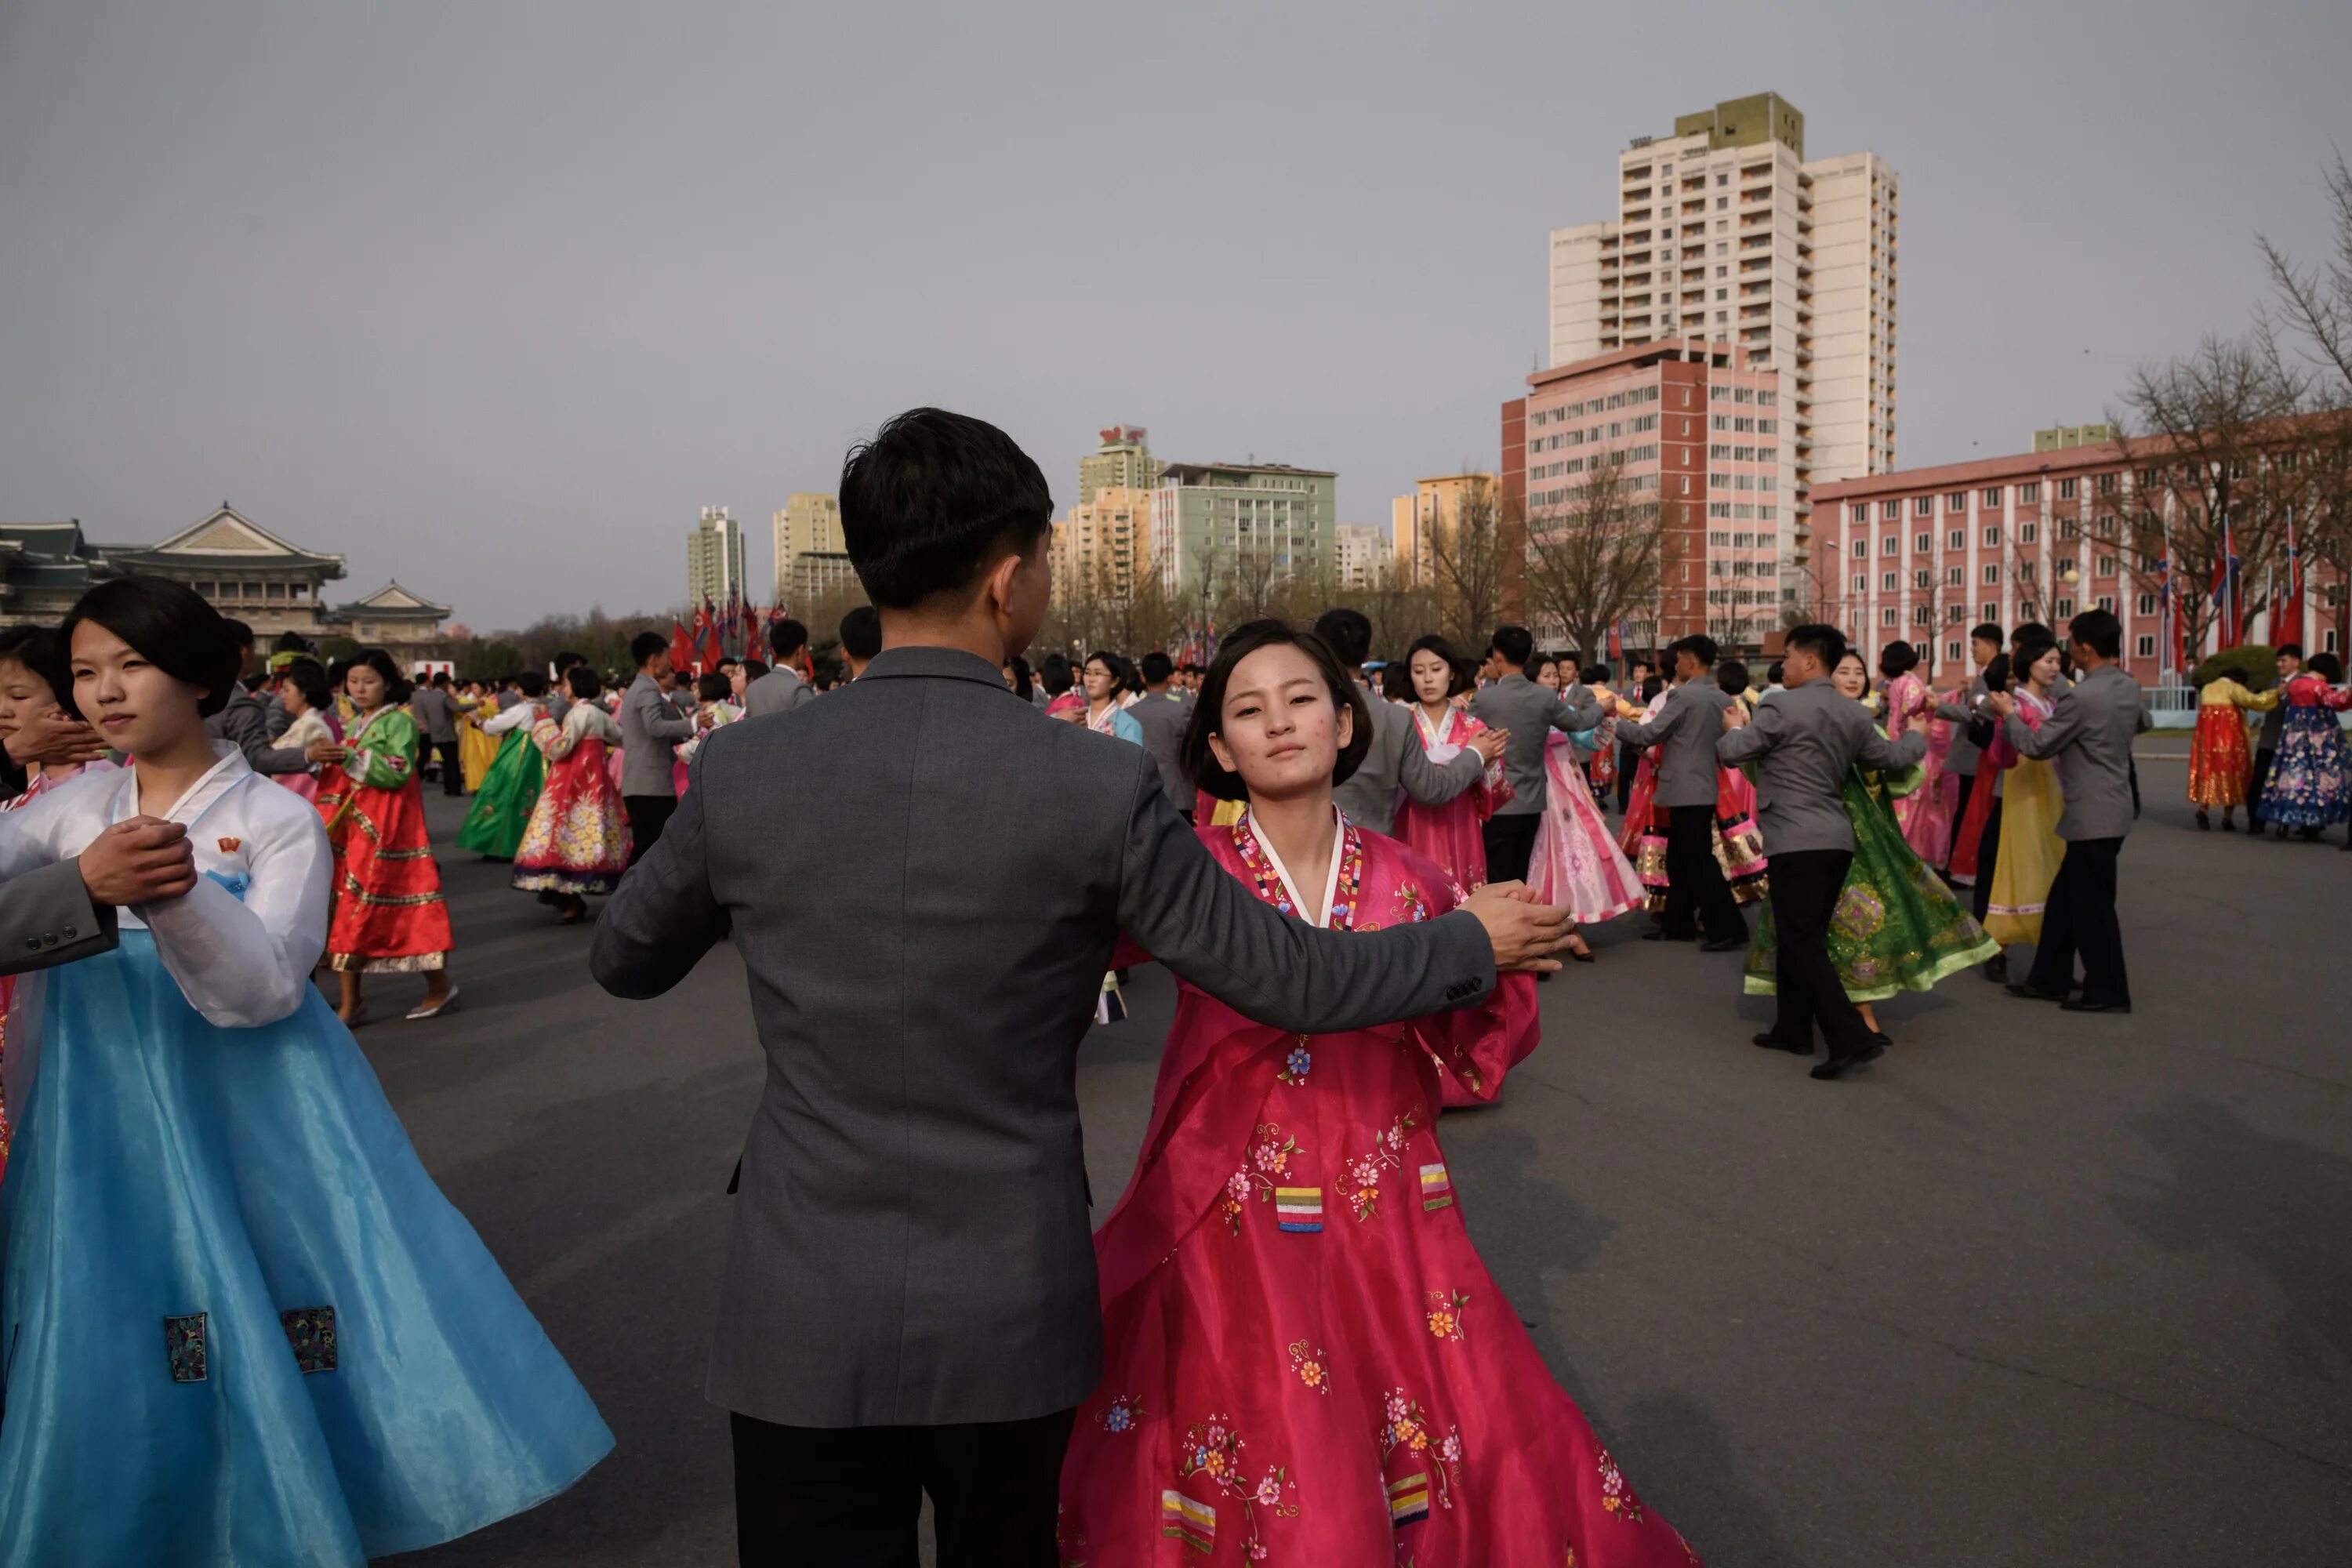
(1297, 1208)
(1411, 1428)
(1411, 906)
(1312, 1368)
(310, 1334)
(184, 1346)
(1121, 1414)
(1267, 882)
(1364, 1174)
(1212, 1448)
(1615, 1495)
(1445, 1313)
(1295, 1065)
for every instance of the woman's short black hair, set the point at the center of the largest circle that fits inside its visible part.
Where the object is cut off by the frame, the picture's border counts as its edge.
(585, 683)
(306, 676)
(2327, 666)
(1593, 674)
(714, 687)
(1996, 673)
(2026, 649)
(1396, 683)
(754, 668)
(932, 500)
(1897, 657)
(532, 683)
(171, 628)
(35, 648)
(1200, 763)
(396, 686)
(1457, 672)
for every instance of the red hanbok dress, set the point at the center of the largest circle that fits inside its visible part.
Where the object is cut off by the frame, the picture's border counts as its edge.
(389, 914)
(577, 840)
(1451, 834)
(1737, 841)
(1307, 1363)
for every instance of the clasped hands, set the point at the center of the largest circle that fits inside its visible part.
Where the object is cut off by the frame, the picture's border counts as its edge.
(1524, 930)
(138, 860)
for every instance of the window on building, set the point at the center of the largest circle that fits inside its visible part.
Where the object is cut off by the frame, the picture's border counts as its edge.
(1887, 580)
(1991, 577)
(1890, 509)
(1993, 536)
(2029, 494)
(1988, 611)
(1860, 548)
(1951, 652)
(2107, 603)
(2066, 489)
(1956, 539)
(2106, 484)
(1956, 501)
(1922, 617)
(2146, 603)
(2143, 648)
(1889, 545)
(1991, 494)
(2026, 610)
(2028, 533)
(1861, 513)
(1923, 506)
(1956, 613)
(1887, 616)
(1923, 543)
(2064, 607)
(1953, 576)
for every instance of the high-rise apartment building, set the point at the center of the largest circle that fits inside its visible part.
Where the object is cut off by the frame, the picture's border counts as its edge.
(1725, 233)
(1123, 461)
(1103, 545)
(1211, 521)
(1362, 556)
(714, 559)
(812, 561)
(1417, 522)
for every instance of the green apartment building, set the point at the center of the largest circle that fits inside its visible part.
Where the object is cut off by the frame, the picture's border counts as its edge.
(1211, 520)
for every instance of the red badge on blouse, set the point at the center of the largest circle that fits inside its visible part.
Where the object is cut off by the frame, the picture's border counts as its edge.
(231, 845)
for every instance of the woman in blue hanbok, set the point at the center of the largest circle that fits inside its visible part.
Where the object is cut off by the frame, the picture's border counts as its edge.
(242, 1325)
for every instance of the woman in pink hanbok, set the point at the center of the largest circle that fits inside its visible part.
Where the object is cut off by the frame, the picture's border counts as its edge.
(1576, 863)
(1306, 1362)
(1926, 814)
(1451, 834)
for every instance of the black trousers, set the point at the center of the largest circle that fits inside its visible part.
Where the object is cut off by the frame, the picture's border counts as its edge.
(1697, 894)
(1959, 814)
(850, 1496)
(1510, 841)
(1629, 761)
(1988, 857)
(1806, 886)
(2081, 917)
(452, 772)
(648, 815)
(2263, 761)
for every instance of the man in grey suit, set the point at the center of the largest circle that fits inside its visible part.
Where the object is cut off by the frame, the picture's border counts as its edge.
(925, 878)
(1685, 729)
(650, 730)
(437, 712)
(1803, 744)
(1161, 714)
(1397, 759)
(782, 689)
(2089, 731)
(1961, 760)
(1529, 713)
(2266, 745)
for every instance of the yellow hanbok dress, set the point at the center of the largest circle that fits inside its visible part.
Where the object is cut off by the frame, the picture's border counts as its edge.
(2030, 800)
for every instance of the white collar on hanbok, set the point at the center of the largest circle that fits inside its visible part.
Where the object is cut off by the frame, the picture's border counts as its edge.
(1330, 882)
(226, 774)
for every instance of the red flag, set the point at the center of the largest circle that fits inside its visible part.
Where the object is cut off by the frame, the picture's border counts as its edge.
(2287, 624)
(707, 642)
(681, 650)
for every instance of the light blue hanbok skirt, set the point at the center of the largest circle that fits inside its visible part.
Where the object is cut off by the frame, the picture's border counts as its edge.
(240, 1323)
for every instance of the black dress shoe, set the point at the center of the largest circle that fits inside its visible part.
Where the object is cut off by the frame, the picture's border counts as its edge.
(1659, 933)
(1838, 1067)
(1884, 1039)
(1995, 969)
(2084, 1005)
(1772, 1042)
(2034, 992)
(1584, 957)
(1725, 944)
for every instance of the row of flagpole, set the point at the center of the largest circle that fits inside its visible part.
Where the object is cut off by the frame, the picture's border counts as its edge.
(735, 630)
(2285, 602)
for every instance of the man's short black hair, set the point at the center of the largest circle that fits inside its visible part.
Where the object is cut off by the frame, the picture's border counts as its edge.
(2031, 629)
(1987, 631)
(1825, 642)
(532, 683)
(786, 637)
(443, 678)
(2099, 631)
(567, 658)
(1731, 676)
(1700, 645)
(642, 647)
(1157, 668)
(2290, 650)
(861, 633)
(1773, 674)
(1347, 634)
(239, 631)
(934, 500)
(1517, 645)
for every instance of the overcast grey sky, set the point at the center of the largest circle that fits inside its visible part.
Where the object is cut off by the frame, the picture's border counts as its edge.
(494, 296)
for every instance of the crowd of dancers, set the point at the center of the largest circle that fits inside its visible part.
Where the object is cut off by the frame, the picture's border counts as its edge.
(243, 1327)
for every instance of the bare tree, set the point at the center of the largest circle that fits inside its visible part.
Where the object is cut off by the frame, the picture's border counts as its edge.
(2316, 306)
(1467, 556)
(1597, 558)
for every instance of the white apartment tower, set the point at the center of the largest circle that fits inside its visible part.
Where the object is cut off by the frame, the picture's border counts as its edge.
(714, 559)
(1725, 233)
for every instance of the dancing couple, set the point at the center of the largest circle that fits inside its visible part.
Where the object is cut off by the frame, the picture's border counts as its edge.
(1309, 1364)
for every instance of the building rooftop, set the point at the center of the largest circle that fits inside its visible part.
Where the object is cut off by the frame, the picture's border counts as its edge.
(1198, 473)
(1719, 356)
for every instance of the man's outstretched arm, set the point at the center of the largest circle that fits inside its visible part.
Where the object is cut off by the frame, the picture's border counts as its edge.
(661, 919)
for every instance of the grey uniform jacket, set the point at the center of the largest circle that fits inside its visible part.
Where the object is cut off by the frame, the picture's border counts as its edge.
(1530, 712)
(1685, 733)
(650, 731)
(779, 691)
(2090, 732)
(924, 877)
(436, 714)
(244, 724)
(47, 917)
(1162, 717)
(1803, 744)
(1961, 758)
(1397, 759)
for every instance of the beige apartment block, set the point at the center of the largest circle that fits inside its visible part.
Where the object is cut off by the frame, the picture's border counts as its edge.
(808, 524)
(1361, 551)
(1419, 520)
(1101, 546)
(1725, 232)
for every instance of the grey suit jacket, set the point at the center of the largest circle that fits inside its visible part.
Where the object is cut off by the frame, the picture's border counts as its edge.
(436, 714)
(1685, 733)
(2090, 732)
(1530, 712)
(242, 722)
(1162, 720)
(924, 877)
(1397, 760)
(1803, 744)
(47, 917)
(779, 691)
(650, 731)
(1962, 756)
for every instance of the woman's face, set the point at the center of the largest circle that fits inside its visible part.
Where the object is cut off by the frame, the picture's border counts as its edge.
(2044, 670)
(1280, 728)
(1432, 677)
(365, 687)
(24, 693)
(1850, 676)
(1098, 681)
(136, 706)
(1547, 673)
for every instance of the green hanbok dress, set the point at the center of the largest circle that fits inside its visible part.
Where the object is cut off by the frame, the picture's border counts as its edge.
(510, 787)
(1897, 926)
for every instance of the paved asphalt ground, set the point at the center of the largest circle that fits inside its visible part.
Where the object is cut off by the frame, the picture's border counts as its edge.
(2033, 1289)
